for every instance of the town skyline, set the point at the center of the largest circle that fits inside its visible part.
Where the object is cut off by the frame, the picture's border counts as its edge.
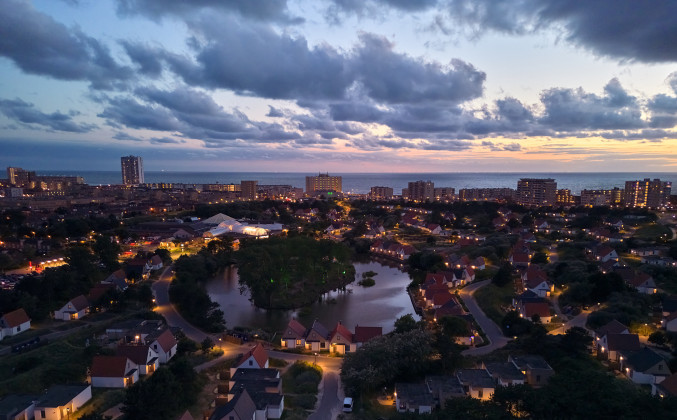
(429, 86)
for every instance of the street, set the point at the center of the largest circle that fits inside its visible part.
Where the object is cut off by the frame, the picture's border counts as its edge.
(492, 331)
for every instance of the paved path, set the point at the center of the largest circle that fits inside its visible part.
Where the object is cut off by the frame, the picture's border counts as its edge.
(491, 330)
(330, 404)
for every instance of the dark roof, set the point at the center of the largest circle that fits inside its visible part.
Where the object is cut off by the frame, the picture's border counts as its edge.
(644, 360)
(109, 366)
(14, 403)
(444, 384)
(530, 361)
(505, 370)
(414, 394)
(126, 325)
(613, 327)
(670, 304)
(79, 302)
(60, 395)
(135, 353)
(476, 378)
(364, 334)
(241, 405)
(15, 318)
(623, 342)
(255, 374)
(319, 329)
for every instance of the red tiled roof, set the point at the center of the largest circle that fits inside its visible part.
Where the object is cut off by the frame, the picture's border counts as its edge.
(109, 366)
(260, 355)
(341, 329)
(98, 290)
(640, 279)
(669, 384)
(166, 340)
(15, 318)
(364, 334)
(294, 330)
(520, 257)
(137, 354)
(442, 298)
(542, 309)
(79, 303)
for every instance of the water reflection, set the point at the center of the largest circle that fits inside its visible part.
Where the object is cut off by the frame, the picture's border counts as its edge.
(379, 305)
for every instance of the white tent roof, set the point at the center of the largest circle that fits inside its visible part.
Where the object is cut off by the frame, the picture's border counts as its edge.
(219, 218)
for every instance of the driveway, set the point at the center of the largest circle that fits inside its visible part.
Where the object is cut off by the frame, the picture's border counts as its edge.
(491, 330)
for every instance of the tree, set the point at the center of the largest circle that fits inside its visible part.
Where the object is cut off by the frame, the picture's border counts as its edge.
(107, 250)
(657, 337)
(165, 255)
(539, 258)
(405, 323)
(503, 276)
(207, 344)
(454, 326)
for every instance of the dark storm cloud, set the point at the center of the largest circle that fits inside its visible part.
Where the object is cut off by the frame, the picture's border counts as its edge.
(130, 113)
(26, 113)
(146, 57)
(338, 9)
(38, 44)
(274, 112)
(264, 10)
(165, 140)
(623, 29)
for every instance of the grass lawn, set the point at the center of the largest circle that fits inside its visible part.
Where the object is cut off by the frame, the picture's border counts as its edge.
(491, 298)
(652, 232)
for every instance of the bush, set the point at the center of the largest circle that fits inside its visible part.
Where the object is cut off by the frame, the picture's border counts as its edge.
(367, 282)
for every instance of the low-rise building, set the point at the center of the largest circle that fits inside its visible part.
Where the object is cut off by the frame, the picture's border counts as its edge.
(74, 309)
(536, 370)
(414, 398)
(14, 322)
(113, 372)
(62, 401)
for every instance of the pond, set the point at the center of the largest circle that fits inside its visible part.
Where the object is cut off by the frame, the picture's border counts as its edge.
(379, 305)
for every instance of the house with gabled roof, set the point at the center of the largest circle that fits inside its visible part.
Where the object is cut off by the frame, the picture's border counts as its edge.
(612, 327)
(670, 322)
(317, 337)
(14, 322)
(665, 388)
(62, 401)
(644, 283)
(163, 343)
(478, 383)
(142, 355)
(76, 308)
(117, 278)
(536, 280)
(264, 386)
(451, 308)
(341, 340)
(255, 358)
(18, 406)
(113, 372)
(240, 407)
(536, 370)
(364, 334)
(644, 366)
(155, 263)
(529, 309)
(294, 336)
(413, 398)
(619, 343)
(504, 373)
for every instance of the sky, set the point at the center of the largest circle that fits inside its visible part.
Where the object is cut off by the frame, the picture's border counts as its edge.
(340, 85)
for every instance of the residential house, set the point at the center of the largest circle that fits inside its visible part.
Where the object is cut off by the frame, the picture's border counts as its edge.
(113, 372)
(477, 383)
(240, 407)
(74, 309)
(451, 308)
(316, 338)
(670, 322)
(364, 334)
(414, 398)
(644, 367)
(18, 407)
(612, 327)
(619, 343)
(520, 259)
(119, 279)
(605, 253)
(264, 386)
(61, 401)
(535, 369)
(155, 263)
(444, 388)
(143, 356)
(14, 322)
(644, 283)
(164, 345)
(341, 340)
(665, 388)
(255, 358)
(504, 373)
(294, 335)
(536, 280)
(529, 310)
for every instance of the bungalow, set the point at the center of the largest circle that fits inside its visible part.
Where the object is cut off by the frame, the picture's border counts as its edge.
(164, 344)
(75, 308)
(113, 372)
(444, 388)
(364, 334)
(143, 356)
(155, 263)
(451, 308)
(441, 298)
(60, 401)
(414, 398)
(316, 339)
(341, 340)
(644, 367)
(644, 283)
(520, 259)
(619, 343)
(536, 280)
(605, 253)
(530, 309)
(665, 388)
(504, 374)
(294, 335)
(477, 383)
(264, 386)
(18, 407)
(13, 323)
(240, 407)
(117, 278)
(536, 370)
(255, 358)
(612, 327)
(670, 322)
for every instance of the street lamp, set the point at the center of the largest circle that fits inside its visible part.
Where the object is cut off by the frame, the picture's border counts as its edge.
(68, 410)
(315, 358)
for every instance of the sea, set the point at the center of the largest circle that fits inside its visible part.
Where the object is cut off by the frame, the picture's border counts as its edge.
(360, 183)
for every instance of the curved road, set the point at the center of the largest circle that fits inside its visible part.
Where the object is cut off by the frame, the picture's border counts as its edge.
(330, 395)
(492, 331)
